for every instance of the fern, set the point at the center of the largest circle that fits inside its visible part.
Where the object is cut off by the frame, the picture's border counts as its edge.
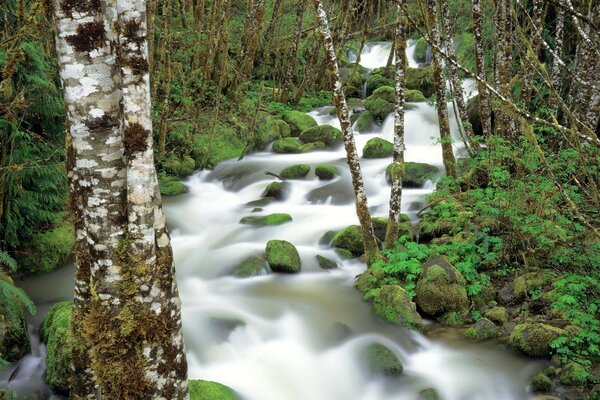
(8, 261)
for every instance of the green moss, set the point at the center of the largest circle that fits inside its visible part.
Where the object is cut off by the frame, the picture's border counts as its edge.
(284, 128)
(181, 168)
(420, 79)
(378, 148)
(267, 220)
(369, 280)
(170, 186)
(210, 149)
(380, 227)
(387, 93)
(379, 107)
(207, 390)
(50, 249)
(344, 254)
(414, 96)
(535, 339)
(382, 361)
(441, 288)
(375, 81)
(325, 134)
(574, 374)
(268, 129)
(421, 50)
(298, 171)
(392, 303)
(365, 121)
(252, 266)
(353, 81)
(415, 174)
(531, 281)
(56, 333)
(541, 383)
(428, 394)
(453, 318)
(277, 190)
(283, 257)
(287, 145)
(326, 263)
(350, 238)
(326, 171)
(497, 315)
(298, 122)
(308, 147)
(484, 329)
(14, 338)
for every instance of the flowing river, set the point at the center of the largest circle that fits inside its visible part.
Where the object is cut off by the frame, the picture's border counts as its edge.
(299, 337)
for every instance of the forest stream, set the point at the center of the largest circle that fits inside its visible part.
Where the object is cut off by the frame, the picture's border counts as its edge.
(303, 336)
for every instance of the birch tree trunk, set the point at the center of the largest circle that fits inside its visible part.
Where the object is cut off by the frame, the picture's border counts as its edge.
(360, 198)
(484, 100)
(393, 227)
(128, 328)
(558, 38)
(440, 91)
(288, 79)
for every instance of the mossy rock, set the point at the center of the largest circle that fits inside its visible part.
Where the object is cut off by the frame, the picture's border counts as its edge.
(415, 174)
(453, 318)
(344, 254)
(179, 167)
(432, 228)
(379, 107)
(485, 297)
(414, 96)
(267, 220)
(441, 288)
(326, 172)
(540, 383)
(375, 81)
(298, 122)
(267, 130)
(283, 257)
(378, 148)
(365, 121)
(380, 227)
(428, 394)
(277, 190)
(170, 186)
(252, 266)
(283, 128)
(326, 134)
(535, 339)
(421, 50)
(387, 93)
(498, 315)
(308, 147)
(484, 329)
(420, 79)
(50, 249)
(14, 338)
(350, 238)
(207, 390)
(353, 80)
(382, 361)
(298, 171)
(527, 283)
(56, 333)
(392, 303)
(326, 263)
(288, 145)
(574, 374)
(369, 280)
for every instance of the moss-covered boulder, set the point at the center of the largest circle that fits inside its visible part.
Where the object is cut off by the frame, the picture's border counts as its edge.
(267, 130)
(325, 134)
(50, 248)
(378, 148)
(267, 220)
(421, 50)
(14, 340)
(207, 390)
(350, 238)
(326, 172)
(370, 279)
(428, 394)
(344, 254)
(298, 122)
(326, 263)
(483, 329)
(283, 128)
(420, 79)
(441, 288)
(498, 315)
(308, 147)
(379, 107)
(252, 266)
(179, 167)
(56, 333)
(277, 190)
(382, 361)
(298, 171)
(414, 96)
(170, 186)
(534, 338)
(387, 93)
(392, 303)
(283, 257)
(288, 145)
(525, 284)
(541, 383)
(415, 174)
(365, 121)
(574, 374)
(375, 81)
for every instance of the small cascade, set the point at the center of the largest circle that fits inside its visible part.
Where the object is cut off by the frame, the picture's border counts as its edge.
(365, 90)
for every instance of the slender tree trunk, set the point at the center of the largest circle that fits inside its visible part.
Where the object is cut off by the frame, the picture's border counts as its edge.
(505, 124)
(199, 15)
(484, 102)
(528, 73)
(253, 26)
(288, 79)
(558, 37)
(440, 92)
(362, 209)
(393, 227)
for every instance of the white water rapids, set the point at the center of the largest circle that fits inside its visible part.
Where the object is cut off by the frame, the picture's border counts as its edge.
(302, 337)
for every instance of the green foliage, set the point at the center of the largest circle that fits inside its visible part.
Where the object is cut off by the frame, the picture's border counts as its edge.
(12, 298)
(56, 333)
(207, 390)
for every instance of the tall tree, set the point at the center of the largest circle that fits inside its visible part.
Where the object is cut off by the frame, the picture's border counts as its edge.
(360, 197)
(290, 65)
(484, 101)
(126, 321)
(393, 227)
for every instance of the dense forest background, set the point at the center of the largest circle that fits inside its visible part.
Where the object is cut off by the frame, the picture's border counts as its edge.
(230, 77)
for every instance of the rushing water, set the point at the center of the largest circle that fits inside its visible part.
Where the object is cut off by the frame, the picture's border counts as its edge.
(276, 337)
